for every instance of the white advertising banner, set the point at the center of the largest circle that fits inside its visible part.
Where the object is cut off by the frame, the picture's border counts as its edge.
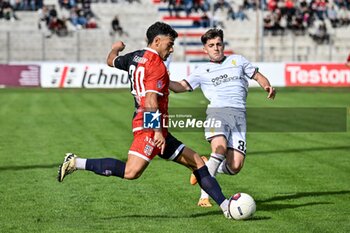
(79, 75)
(59, 75)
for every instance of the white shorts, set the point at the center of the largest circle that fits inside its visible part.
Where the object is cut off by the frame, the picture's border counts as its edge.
(233, 127)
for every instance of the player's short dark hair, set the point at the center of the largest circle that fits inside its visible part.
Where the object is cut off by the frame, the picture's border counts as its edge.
(160, 28)
(211, 34)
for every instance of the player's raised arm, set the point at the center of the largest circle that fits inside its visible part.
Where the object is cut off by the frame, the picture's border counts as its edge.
(117, 47)
(265, 84)
(180, 86)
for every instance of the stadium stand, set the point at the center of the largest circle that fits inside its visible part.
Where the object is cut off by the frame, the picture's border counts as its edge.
(21, 39)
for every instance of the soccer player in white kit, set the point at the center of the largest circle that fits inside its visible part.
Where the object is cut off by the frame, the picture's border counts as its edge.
(224, 82)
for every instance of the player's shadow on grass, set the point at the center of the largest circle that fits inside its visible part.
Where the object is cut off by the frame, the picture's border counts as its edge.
(197, 215)
(28, 167)
(219, 213)
(265, 204)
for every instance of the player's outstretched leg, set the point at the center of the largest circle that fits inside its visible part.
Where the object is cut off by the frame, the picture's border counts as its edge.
(193, 179)
(67, 167)
(212, 164)
(211, 186)
(100, 166)
(192, 160)
(203, 201)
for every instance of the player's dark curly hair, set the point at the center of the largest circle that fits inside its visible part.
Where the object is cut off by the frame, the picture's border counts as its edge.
(160, 28)
(211, 34)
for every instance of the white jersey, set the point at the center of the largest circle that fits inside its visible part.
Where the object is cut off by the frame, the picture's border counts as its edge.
(224, 84)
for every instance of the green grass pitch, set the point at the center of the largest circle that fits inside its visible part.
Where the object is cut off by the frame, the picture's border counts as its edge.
(300, 181)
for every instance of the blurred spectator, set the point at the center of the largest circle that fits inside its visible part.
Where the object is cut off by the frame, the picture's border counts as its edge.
(117, 28)
(320, 9)
(82, 17)
(297, 24)
(344, 16)
(91, 23)
(53, 12)
(202, 5)
(271, 5)
(321, 35)
(58, 26)
(274, 23)
(44, 20)
(222, 5)
(268, 24)
(77, 18)
(86, 6)
(249, 4)
(204, 21)
(289, 7)
(241, 14)
(27, 5)
(231, 14)
(300, 15)
(67, 4)
(188, 5)
(7, 11)
(332, 16)
(174, 5)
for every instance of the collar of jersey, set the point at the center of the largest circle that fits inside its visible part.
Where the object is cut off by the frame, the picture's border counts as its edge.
(151, 50)
(219, 62)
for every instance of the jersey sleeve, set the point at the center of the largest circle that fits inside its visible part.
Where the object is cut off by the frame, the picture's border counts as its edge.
(193, 80)
(157, 79)
(121, 62)
(249, 69)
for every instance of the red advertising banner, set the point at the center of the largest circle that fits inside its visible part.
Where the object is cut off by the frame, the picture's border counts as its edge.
(19, 75)
(317, 75)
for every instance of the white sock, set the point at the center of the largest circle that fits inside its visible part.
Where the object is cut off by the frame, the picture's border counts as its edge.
(224, 205)
(80, 163)
(213, 163)
(223, 168)
(220, 169)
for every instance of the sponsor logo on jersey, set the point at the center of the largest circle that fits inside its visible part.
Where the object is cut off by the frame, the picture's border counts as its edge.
(223, 79)
(141, 60)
